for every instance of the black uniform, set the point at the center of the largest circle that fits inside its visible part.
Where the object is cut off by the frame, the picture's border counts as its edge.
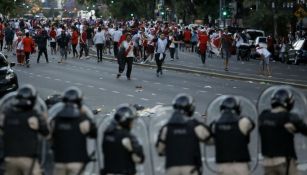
(182, 144)
(276, 140)
(17, 131)
(41, 42)
(231, 144)
(117, 158)
(69, 143)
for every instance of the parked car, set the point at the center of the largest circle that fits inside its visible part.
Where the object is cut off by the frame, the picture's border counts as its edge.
(252, 34)
(298, 53)
(261, 41)
(8, 78)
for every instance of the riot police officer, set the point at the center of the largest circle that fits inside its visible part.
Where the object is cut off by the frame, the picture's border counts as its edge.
(179, 139)
(24, 118)
(231, 133)
(277, 127)
(121, 149)
(71, 124)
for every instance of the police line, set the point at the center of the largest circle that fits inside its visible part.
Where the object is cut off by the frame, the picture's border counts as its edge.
(153, 141)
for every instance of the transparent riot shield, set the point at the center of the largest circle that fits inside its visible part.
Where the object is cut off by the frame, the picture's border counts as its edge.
(213, 113)
(299, 108)
(48, 163)
(139, 130)
(159, 117)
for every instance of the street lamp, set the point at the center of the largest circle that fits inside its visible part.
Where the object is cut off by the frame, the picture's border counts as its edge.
(131, 14)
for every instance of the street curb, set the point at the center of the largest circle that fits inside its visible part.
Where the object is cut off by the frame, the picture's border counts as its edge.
(214, 74)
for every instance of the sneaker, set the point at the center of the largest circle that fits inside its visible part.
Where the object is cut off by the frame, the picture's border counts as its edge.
(117, 76)
(172, 59)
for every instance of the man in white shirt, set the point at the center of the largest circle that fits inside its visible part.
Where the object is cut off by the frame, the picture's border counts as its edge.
(160, 53)
(116, 37)
(99, 40)
(265, 60)
(127, 58)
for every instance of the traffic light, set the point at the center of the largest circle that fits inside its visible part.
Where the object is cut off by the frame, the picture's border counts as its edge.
(224, 12)
(162, 13)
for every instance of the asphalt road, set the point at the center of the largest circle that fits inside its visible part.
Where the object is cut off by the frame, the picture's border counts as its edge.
(101, 88)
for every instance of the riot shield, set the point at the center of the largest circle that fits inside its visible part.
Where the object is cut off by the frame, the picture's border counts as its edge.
(139, 130)
(299, 108)
(213, 113)
(52, 113)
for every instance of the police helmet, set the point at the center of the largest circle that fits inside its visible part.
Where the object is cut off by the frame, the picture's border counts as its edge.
(26, 97)
(185, 103)
(124, 115)
(73, 95)
(231, 103)
(282, 98)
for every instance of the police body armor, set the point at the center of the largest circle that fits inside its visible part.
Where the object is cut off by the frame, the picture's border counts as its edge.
(231, 145)
(16, 127)
(139, 130)
(227, 132)
(117, 159)
(180, 132)
(69, 144)
(276, 140)
(17, 131)
(283, 143)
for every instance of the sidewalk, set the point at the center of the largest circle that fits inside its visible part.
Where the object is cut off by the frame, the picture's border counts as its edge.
(295, 75)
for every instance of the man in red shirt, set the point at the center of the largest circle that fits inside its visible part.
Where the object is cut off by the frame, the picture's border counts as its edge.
(74, 42)
(202, 44)
(28, 47)
(83, 43)
(52, 35)
(187, 35)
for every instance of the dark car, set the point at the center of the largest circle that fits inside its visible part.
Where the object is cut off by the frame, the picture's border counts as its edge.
(298, 53)
(8, 78)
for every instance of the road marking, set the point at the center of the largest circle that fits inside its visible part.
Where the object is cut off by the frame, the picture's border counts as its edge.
(56, 79)
(67, 81)
(103, 89)
(144, 99)
(203, 91)
(101, 78)
(79, 84)
(219, 94)
(48, 77)
(160, 103)
(130, 95)
(38, 75)
(90, 86)
(234, 87)
(145, 81)
(170, 85)
(157, 83)
(153, 94)
(185, 88)
(115, 92)
(208, 87)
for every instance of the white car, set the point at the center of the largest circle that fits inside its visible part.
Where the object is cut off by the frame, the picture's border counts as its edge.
(261, 41)
(252, 34)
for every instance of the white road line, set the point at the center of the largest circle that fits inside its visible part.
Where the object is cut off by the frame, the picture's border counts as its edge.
(219, 94)
(203, 91)
(234, 87)
(130, 95)
(90, 86)
(145, 81)
(103, 89)
(48, 77)
(185, 88)
(207, 87)
(153, 94)
(160, 103)
(144, 99)
(157, 83)
(115, 92)
(79, 84)
(101, 78)
(67, 81)
(56, 79)
(170, 85)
